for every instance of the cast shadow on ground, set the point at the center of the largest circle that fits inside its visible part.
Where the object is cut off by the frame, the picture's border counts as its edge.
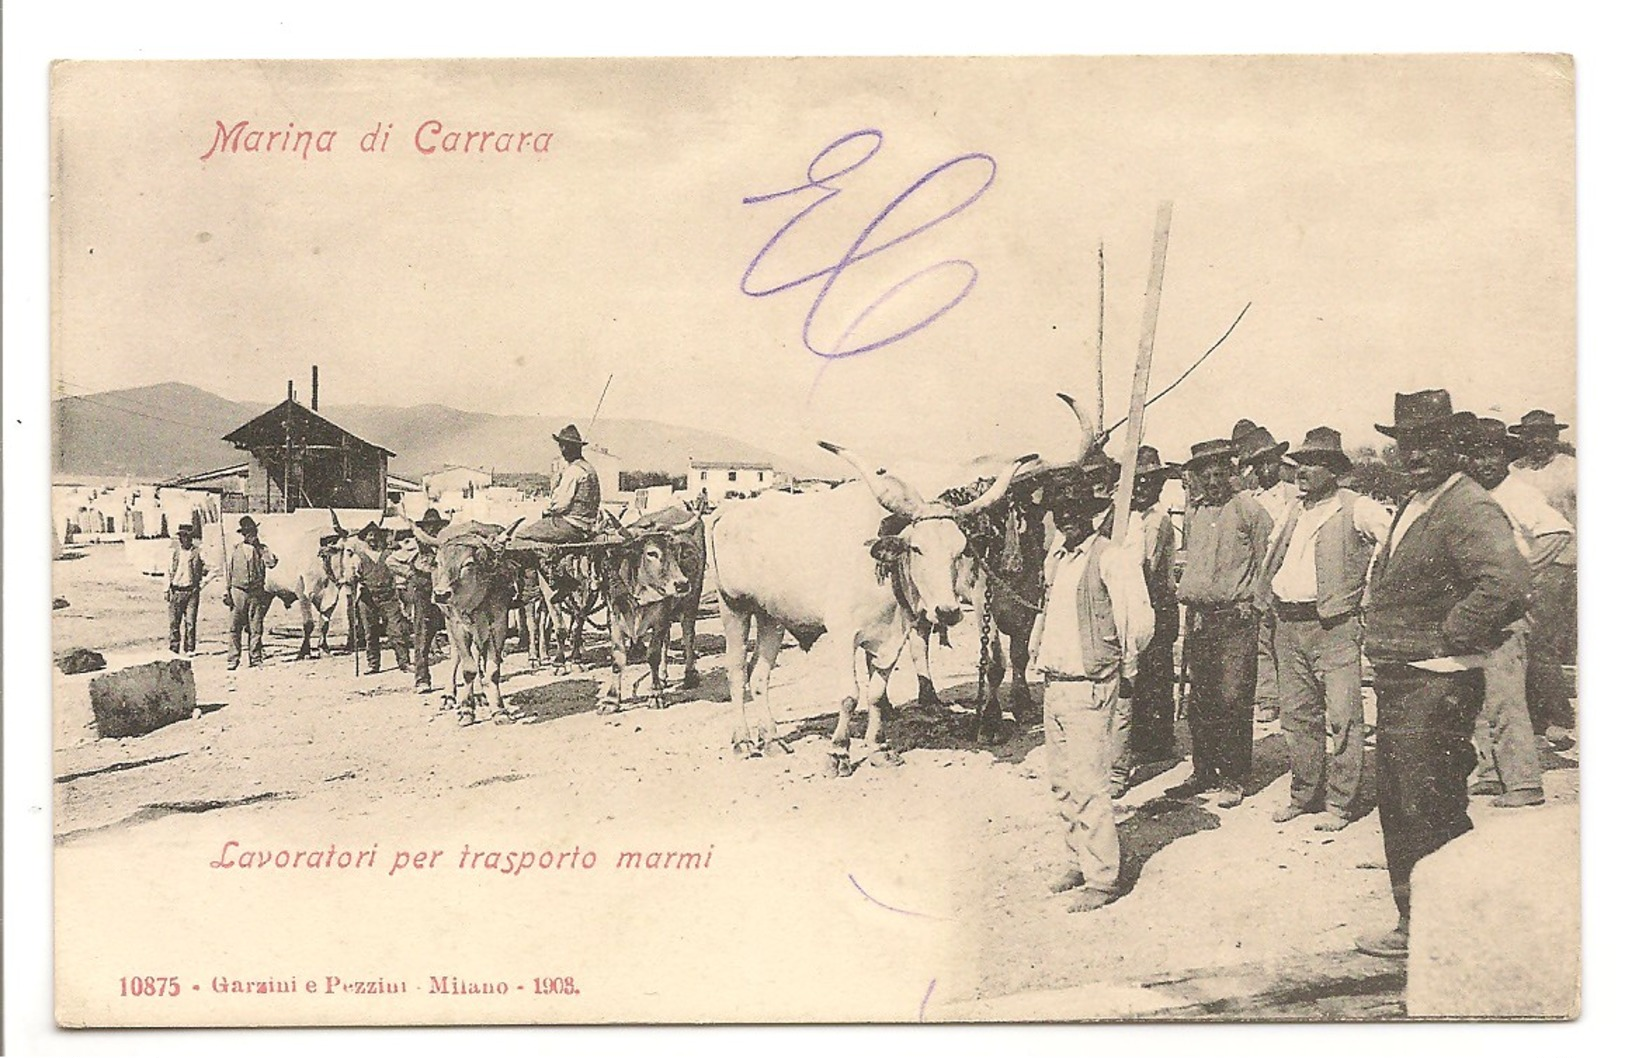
(1270, 762)
(1157, 824)
(945, 726)
(550, 701)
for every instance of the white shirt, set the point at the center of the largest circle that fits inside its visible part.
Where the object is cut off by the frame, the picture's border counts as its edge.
(1298, 580)
(1532, 518)
(1122, 571)
(570, 479)
(1275, 500)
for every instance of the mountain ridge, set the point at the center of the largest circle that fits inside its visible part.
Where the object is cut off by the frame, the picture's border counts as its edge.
(171, 429)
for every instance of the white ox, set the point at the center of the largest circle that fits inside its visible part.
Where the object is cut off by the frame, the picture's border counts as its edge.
(816, 563)
(310, 570)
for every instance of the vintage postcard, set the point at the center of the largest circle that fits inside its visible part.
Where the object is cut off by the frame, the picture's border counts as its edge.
(814, 540)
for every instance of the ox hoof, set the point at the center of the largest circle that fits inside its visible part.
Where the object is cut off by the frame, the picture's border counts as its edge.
(839, 766)
(502, 716)
(465, 719)
(996, 733)
(883, 757)
(691, 680)
(776, 746)
(608, 708)
(745, 749)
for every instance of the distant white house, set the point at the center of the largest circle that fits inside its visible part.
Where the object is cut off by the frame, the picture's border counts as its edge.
(729, 479)
(453, 481)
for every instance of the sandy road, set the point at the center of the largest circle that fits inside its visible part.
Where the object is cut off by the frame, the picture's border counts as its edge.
(900, 893)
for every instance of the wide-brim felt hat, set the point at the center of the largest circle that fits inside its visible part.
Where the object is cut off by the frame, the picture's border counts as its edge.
(1239, 432)
(431, 521)
(1260, 444)
(1204, 452)
(245, 524)
(185, 530)
(1476, 432)
(570, 435)
(1426, 409)
(1537, 420)
(1322, 446)
(1149, 464)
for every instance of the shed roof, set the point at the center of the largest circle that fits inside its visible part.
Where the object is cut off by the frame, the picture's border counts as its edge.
(268, 430)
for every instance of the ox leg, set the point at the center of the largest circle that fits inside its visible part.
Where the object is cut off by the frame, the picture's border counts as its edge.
(856, 686)
(769, 637)
(658, 641)
(690, 614)
(1021, 695)
(309, 624)
(875, 677)
(735, 630)
(919, 652)
(614, 688)
(493, 671)
(468, 672)
(990, 730)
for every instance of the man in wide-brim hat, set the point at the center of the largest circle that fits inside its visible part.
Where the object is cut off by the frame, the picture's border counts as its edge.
(414, 566)
(246, 594)
(572, 509)
(1313, 581)
(183, 590)
(1226, 536)
(1541, 463)
(1087, 639)
(1525, 693)
(1151, 718)
(1444, 587)
(378, 600)
(1259, 457)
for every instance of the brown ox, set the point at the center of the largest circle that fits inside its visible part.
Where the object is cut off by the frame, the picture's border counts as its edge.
(475, 590)
(646, 586)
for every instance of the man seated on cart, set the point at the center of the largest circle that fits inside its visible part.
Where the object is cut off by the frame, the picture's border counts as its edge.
(572, 511)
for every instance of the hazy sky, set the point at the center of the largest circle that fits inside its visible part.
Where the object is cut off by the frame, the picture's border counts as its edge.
(1396, 223)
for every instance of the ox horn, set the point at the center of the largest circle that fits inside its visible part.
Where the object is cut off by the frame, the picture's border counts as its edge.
(337, 527)
(507, 534)
(1001, 484)
(892, 492)
(1090, 435)
(425, 539)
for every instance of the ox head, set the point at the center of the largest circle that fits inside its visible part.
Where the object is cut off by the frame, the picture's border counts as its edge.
(338, 552)
(645, 568)
(925, 546)
(467, 566)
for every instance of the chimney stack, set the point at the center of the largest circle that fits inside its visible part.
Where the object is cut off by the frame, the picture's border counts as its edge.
(312, 387)
(290, 389)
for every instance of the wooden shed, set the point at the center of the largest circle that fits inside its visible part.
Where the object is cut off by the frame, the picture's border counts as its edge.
(298, 459)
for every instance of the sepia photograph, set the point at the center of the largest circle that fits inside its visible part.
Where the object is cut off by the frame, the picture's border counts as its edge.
(814, 540)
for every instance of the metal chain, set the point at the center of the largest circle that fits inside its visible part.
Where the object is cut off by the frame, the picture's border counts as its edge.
(987, 627)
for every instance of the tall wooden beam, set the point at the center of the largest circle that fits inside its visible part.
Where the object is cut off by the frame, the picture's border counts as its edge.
(1142, 371)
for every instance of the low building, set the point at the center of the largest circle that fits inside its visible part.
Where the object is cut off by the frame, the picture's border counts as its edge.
(298, 459)
(729, 480)
(454, 480)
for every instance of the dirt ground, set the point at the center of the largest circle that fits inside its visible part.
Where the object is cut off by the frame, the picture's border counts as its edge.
(916, 891)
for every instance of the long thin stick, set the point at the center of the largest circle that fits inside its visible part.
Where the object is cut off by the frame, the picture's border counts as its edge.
(1186, 373)
(601, 397)
(1142, 371)
(1100, 341)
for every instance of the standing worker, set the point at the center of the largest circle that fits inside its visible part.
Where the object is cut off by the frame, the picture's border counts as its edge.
(377, 600)
(413, 563)
(185, 584)
(1088, 637)
(246, 596)
(1504, 737)
(1314, 579)
(1259, 458)
(1227, 534)
(1443, 589)
(1151, 722)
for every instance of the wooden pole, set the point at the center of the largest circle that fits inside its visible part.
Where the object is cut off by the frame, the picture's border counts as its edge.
(1142, 372)
(1100, 341)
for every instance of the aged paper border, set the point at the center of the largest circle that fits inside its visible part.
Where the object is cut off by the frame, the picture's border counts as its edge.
(35, 35)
